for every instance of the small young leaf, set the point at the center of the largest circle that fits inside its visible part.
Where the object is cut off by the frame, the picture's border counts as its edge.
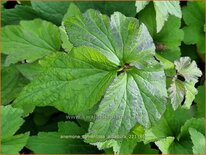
(188, 69)
(184, 88)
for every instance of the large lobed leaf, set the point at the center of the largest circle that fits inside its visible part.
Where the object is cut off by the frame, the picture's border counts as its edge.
(119, 60)
(119, 38)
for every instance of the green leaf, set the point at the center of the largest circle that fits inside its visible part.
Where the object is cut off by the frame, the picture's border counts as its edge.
(194, 17)
(181, 143)
(66, 140)
(141, 5)
(200, 100)
(66, 44)
(108, 144)
(169, 39)
(128, 144)
(177, 93)
(142, 148)
(112, 37)
(171, 134)
(70, 81)
(180, 89)
(10, 127)
(169, 125)
(30, 71)
(52, 11)
(109, 7)
(180, 147)
(15, 15)
(12, 83)
(122, 144)
(162, 9)
(198, 140)
(138, 104)
(72, 11)
(191, 91)
(196, 123)
(164, 144)
(14, 144)
(18, 44)
(119, 146)
(11, 122)
(76, 81)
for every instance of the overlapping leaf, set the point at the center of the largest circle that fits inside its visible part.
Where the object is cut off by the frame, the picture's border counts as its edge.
(11, 122)
(194, 17)
(162, 9)
(198, 140)
(171, 134)
(115, 39)
(75, 82)
(15, 15)
(169, 38)
(12, 83)
(18, 44)
(72, 83)
(52, 11)
(66, 140)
